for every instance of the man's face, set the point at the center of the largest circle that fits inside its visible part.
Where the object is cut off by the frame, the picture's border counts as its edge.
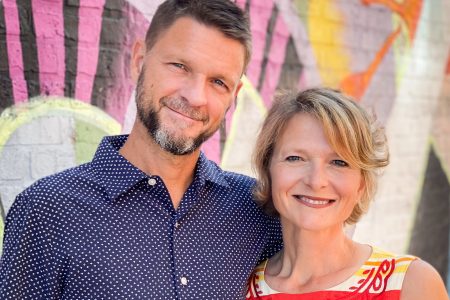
(188, 81)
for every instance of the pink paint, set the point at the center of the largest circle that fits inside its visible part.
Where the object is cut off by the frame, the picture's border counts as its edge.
(89, 30)
(260, 13)
(275, 61)
(240, 3)
(14, 49)
(119, 94)
(49, 26)
(302, 82)
(211, 148)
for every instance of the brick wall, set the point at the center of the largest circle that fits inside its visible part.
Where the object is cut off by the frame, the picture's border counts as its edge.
(64, 83)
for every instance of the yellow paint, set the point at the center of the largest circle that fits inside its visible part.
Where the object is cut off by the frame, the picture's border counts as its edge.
(248, 92)
(325, 30)
(14, 117)
(401, 50)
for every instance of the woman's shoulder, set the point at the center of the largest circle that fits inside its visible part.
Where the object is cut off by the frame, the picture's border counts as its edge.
(379, 254)
(392, 267)
(422, 281)
(416, 278)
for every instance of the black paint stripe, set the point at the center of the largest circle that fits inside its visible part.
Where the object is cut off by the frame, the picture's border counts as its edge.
(70, 12)
(6, 92)
(432, 224)
(269, 36)
(292, 68)
(29, 47)
(110, 45)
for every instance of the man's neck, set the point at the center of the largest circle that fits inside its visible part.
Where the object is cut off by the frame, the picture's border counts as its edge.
(177, 171)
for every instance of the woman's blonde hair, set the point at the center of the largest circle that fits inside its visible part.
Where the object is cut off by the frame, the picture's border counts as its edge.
(351, 131)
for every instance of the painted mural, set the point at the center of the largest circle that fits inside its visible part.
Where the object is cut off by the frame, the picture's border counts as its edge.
(65, 83)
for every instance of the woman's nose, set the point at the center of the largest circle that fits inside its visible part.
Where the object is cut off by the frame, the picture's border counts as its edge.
(317, 177)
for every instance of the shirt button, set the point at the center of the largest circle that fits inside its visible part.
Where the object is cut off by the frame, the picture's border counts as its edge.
(152, 181)
(177, 224)
(183, 280)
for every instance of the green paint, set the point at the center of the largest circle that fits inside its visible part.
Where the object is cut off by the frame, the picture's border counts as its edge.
(302, 8)
(14, 117)
(87, 138)
(248, 91)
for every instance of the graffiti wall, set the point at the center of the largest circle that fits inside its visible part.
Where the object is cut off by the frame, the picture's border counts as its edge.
(65, 83)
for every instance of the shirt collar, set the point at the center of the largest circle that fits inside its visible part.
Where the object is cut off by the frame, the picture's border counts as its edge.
(207, 170)
(117, 175)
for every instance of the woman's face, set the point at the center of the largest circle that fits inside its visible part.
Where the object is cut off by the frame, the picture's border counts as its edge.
(312, 187)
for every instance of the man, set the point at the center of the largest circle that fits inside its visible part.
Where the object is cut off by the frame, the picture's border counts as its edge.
(150, 217)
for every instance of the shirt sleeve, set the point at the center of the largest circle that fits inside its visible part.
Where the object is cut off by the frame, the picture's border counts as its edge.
(28, 264)
(274, 238)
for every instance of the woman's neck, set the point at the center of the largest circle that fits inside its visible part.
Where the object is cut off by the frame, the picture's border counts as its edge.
(314, 259)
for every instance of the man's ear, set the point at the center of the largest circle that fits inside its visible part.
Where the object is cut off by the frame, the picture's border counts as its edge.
(238, 88)
(137, 59)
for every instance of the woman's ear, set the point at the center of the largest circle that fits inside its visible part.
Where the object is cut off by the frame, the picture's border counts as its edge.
(137, 59)
(362, 187)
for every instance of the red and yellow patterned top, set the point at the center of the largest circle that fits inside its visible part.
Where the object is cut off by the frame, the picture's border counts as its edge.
(381, 277)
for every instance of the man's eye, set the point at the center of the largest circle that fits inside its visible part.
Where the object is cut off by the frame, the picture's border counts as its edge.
(178, 65)
(339, 163)
(219, 82)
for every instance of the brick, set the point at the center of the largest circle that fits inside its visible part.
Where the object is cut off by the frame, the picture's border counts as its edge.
(14, 163)
(43, 162)
(64, 162)
(41, 131)
(9, 192)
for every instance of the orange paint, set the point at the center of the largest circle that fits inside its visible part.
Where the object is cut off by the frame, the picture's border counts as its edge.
(408, 10)
(356, 84)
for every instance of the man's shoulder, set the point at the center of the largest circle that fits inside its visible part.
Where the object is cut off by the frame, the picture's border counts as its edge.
(51, 195)
(66, 182)
(237, 179)
(215, 173)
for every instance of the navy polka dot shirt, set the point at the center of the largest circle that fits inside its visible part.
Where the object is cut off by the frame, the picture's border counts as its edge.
(106, 230)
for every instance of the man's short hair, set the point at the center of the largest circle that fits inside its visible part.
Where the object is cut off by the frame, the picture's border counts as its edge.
(223, 15)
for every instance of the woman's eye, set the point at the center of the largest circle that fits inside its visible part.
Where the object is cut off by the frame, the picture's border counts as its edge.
(293, 158)
(339, 163)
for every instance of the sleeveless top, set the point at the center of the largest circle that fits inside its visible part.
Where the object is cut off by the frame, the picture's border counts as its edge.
(380, 277)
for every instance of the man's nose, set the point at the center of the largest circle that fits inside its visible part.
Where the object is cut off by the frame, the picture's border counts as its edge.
(194, 91)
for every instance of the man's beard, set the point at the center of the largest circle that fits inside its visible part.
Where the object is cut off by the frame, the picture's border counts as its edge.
(161, 135)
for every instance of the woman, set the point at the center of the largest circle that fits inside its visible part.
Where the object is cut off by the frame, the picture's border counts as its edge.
(317, 158)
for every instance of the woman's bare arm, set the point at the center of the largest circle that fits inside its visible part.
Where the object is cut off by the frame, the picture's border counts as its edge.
(422, 281)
